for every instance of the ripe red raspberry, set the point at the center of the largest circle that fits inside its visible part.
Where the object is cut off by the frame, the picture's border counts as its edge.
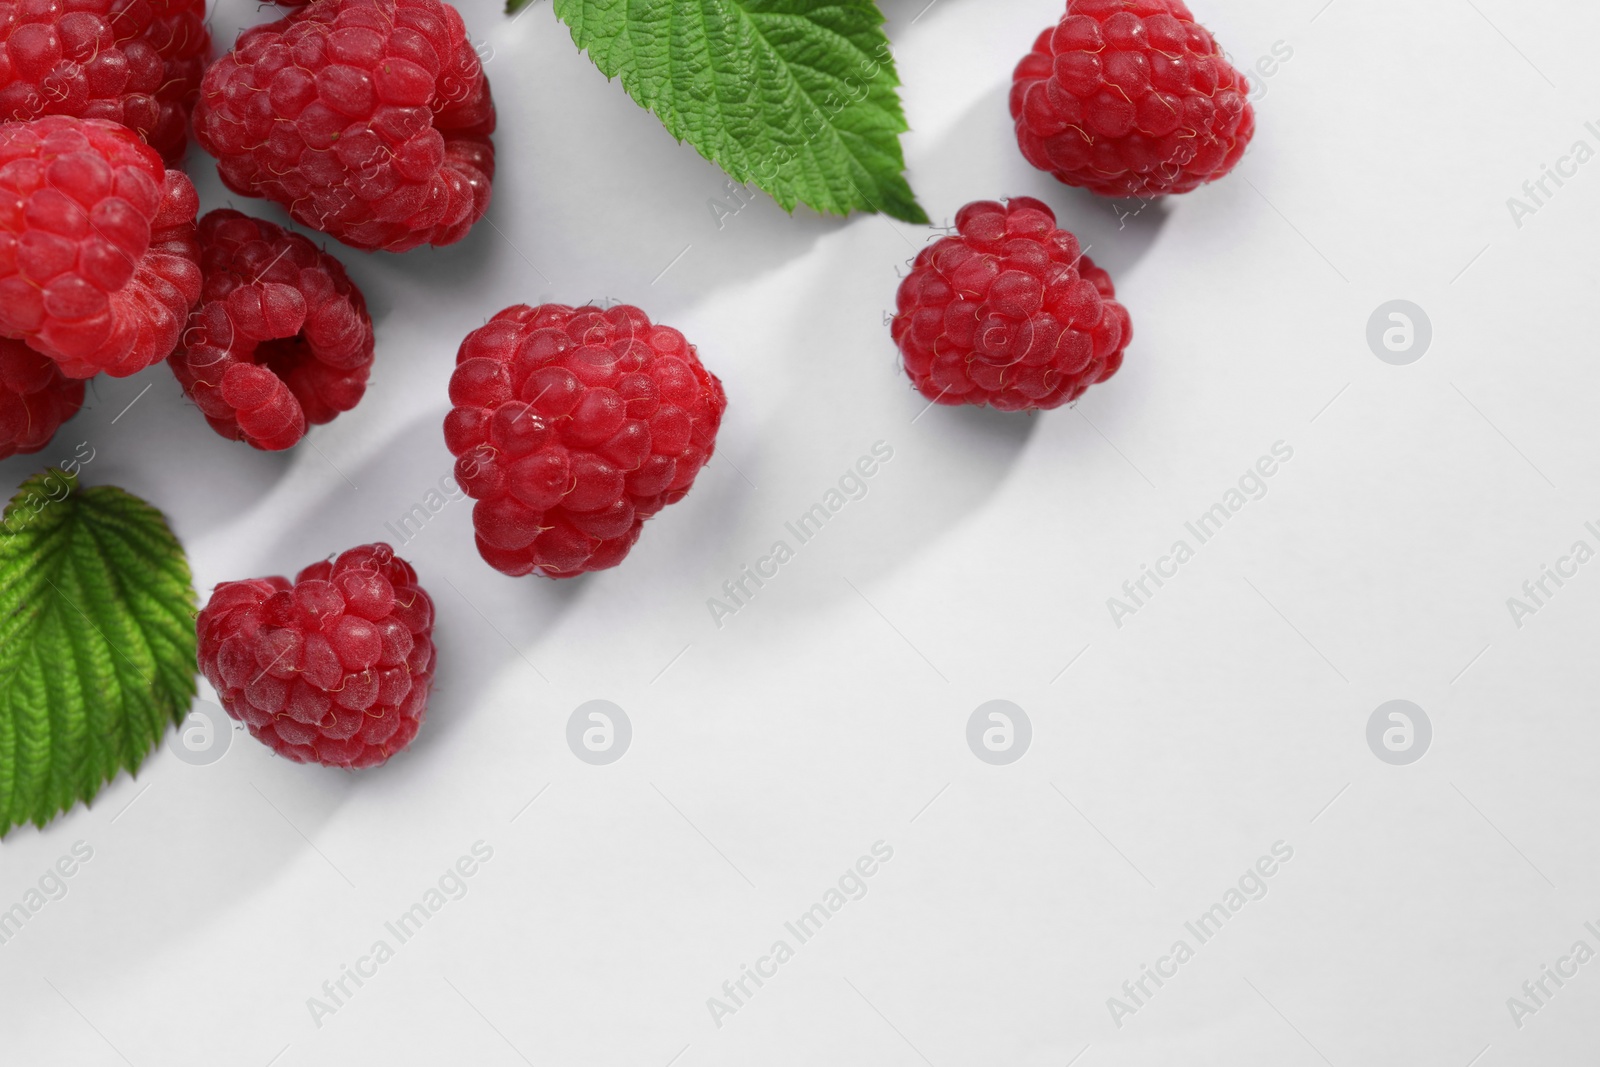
(1131, 98)
(35, 399)
(135, 63)
(98, 261)
(571, 427)
(333, 668)
(367, 119)
(1008, 313)
(281, 337)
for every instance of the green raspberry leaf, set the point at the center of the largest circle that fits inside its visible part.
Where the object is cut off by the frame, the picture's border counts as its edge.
(794, 96)
(97, 642)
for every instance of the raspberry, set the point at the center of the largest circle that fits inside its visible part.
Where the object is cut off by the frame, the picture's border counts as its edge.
(333, 668)
(1131, 98)
(367, 119)
(281, 337)
(571, 427)
(134, 63)
(34, 399)
(1008, 313)
(98, 262)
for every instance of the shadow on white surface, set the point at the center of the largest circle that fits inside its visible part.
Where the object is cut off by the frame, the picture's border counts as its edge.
(142, 434)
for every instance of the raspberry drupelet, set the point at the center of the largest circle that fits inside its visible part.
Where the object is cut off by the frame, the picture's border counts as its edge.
(281, 338)
(137, 64)
(1131, 98)
(98, 261)
(35, 399)
(368, 120)
(1008, 312)
(332, 668)
(571, 427)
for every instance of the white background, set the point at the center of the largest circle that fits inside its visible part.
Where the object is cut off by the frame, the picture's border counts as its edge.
(827, 715)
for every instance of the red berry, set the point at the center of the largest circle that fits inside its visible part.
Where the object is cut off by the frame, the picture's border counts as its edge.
(281, 337)
(367, 119)
(98, 262)
(1008, 312)
(334, 668)
(138, 64)
(571, 427)
(35, 399)
(1131, 98)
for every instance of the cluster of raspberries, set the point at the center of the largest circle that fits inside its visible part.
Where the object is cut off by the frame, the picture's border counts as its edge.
(1125, 98)
(370, 121)
(367, 120)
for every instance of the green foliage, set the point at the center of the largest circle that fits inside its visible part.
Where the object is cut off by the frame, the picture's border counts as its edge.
(797, 97)
(97, 642)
